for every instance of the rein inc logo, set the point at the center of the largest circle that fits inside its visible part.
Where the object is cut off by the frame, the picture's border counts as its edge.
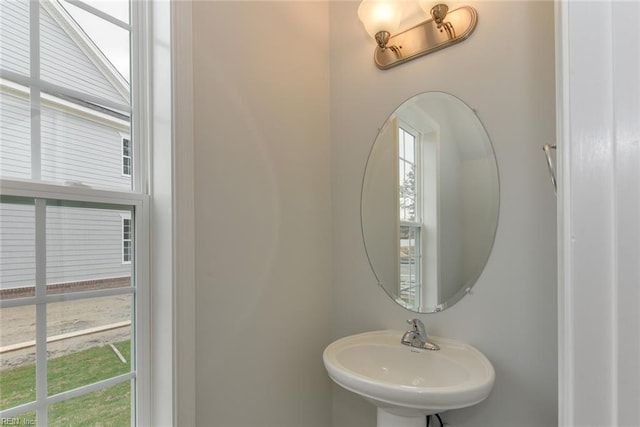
(15, 421)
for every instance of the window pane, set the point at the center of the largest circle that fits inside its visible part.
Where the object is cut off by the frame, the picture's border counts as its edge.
(126, 147)
(111, 40)
(14, 36)
(410, 259)
(88, 340)
(84, 249)
(69, 57)
(126, 166)
(409, 146)
(15, 131)
(83, 148)
(17, 250)
(17, 356)
(109, 407)
(407, 192)
(407, 176)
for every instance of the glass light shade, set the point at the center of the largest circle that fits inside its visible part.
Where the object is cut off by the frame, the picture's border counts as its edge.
(380, 15)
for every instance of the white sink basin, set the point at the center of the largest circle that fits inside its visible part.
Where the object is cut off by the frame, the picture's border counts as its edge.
(409, 382)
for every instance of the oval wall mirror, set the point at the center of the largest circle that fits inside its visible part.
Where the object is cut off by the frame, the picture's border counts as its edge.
(430, 201)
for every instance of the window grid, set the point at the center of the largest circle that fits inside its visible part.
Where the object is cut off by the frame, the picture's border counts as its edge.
(44, 194)
(42, 298)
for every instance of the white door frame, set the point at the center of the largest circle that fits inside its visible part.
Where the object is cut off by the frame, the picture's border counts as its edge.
(598, 89)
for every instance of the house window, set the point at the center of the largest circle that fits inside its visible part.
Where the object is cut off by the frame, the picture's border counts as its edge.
(411, 230)
(126, 157)
(74, 283)
(127, 242)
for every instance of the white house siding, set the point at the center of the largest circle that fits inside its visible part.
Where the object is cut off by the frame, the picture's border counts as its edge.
(82, 150)
(81, 244)
(14, 36)
(62, 62)
(15, 136)
(74, 147)
(17, 245)
(84, 244)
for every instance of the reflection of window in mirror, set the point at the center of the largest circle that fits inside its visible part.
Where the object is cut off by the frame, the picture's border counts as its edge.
(417, 217)
(410, 216)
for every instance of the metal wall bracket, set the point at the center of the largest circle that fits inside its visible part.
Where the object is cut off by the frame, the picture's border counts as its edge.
(550, 164)
(427, 37)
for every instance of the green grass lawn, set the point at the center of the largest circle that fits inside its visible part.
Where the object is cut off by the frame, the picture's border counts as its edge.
(107, 407)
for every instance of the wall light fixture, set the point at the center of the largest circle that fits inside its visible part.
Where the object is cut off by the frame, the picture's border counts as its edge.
(381, 19)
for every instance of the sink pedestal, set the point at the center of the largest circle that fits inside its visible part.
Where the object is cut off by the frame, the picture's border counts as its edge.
(386, 419)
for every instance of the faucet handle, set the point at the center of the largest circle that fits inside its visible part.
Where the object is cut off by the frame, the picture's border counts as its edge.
(417, 336)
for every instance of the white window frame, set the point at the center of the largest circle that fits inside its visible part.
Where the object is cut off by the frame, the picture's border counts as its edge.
(146, 332)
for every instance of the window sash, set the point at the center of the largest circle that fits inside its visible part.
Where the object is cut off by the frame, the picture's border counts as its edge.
(16, 191)
(39, 89)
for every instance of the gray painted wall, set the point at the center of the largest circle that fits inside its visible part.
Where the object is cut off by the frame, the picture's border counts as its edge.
(262, 169)
(506, 72)
(262, 213)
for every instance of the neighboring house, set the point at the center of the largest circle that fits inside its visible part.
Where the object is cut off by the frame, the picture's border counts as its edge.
(81, 144)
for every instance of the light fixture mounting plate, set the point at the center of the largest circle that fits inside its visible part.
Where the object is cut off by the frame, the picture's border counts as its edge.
(426, 38)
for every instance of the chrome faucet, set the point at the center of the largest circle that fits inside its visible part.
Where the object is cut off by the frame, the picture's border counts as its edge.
(417, 336)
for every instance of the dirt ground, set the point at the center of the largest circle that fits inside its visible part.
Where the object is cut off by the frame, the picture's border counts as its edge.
(17, 325)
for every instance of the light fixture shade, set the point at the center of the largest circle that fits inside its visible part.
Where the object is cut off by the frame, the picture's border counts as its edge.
(380, 15)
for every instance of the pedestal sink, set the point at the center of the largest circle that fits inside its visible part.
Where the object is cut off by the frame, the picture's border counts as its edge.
(407, 383)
